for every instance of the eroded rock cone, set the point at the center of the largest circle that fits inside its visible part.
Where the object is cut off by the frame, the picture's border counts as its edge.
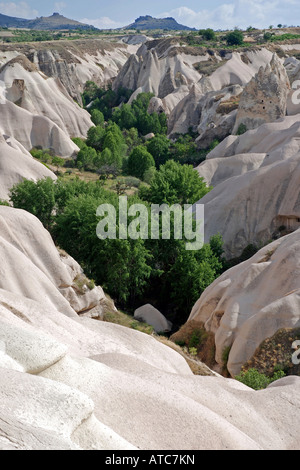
(264, 98)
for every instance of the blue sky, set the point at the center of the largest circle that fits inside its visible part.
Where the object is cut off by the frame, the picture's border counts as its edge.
(217, 14)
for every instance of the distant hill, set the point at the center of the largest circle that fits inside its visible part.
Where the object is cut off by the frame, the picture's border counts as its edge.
(54, 22)
(12, 22)
(148, 22)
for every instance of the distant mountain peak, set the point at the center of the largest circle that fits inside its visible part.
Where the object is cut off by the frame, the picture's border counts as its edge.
(148, 22)
(55, 21)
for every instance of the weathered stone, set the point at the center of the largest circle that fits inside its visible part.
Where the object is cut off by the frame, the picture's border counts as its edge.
(264, 98)
(252, 301)
(152, 316)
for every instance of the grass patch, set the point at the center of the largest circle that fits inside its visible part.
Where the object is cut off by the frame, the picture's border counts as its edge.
(121, 318)
(275, 354)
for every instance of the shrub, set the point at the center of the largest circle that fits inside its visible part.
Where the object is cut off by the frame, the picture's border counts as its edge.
(241, 129)
(4, 203)
(208, 34)
(254, 379)
(268, 36)
(139, 161)
(235, 38)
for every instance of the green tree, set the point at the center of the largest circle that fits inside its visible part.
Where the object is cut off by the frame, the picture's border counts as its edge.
(86, 158)
(120, 266)
(38, 198)
(139, 161)
(175, 184)
(159, 147)
(208, 34)
(79, 142)
(235, 38)
(124, 117)
(111, 143)
(95, 137)
(97, 117)
(90, 92)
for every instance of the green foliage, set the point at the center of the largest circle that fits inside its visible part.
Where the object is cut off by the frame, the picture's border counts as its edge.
(103, 100)
(241, 129)
(42, 155)
(159, 147)
(197, 337)
(175, 184)
(127, 269)
(139, 161)
(193, 351)
(136, 115)
(32, 35)
(95, 137)
(184, 150)
(208, 34)
(254, 379)
(4, 203)
(149, 175)
(85, 158)
(37, 198)
(225, 355)
(97, 117)
(235, 38)
(79, 142)
(124, 117)
(120, 266)
(284, 37)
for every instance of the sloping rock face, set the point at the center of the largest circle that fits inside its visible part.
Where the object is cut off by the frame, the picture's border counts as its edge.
(256, 191)
(264, 98)
(16, 164)
(252, 301)
(189, 84)
(32, 267)
(158, 67)
(38, 111)
(74, 383)
(74, 62)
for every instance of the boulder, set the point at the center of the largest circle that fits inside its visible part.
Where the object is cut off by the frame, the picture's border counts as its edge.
(149, 314)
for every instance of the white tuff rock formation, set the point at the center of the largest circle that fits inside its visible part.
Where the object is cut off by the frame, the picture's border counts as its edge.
(37, 111)
(70, 382)
(252, 301)
(264, 98)
(152, 316)
(17, 164)
(255, 185)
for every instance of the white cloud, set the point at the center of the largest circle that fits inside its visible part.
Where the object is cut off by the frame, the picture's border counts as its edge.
(240, 13)
(103, 23)
(59, 6)
(18, 9)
